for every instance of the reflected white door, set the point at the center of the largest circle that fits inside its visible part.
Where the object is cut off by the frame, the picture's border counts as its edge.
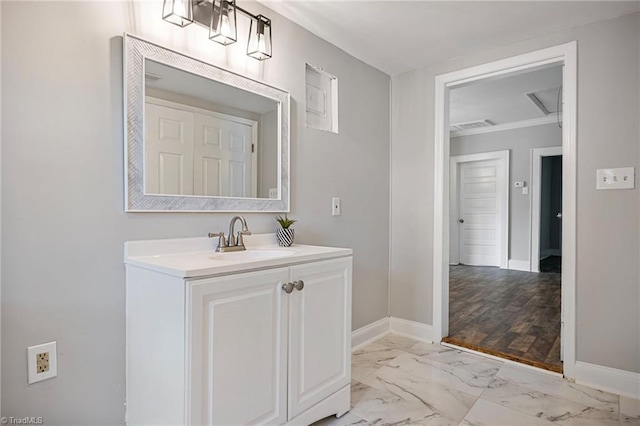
(168, 151)
(223, 158)
(479, 212)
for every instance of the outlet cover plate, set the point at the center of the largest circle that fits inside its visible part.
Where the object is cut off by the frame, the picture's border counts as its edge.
(45, 350)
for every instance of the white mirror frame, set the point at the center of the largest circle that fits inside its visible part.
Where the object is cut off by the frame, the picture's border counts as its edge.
(135, 51)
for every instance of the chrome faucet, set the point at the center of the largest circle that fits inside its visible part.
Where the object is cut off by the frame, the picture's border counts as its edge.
(232, 243)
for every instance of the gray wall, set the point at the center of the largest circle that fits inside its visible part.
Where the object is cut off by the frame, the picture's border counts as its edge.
(519, 142)
(62, 187)
(268, 153)
(608, 228)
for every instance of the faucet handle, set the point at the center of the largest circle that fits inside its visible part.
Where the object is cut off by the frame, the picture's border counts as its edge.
(222, 242)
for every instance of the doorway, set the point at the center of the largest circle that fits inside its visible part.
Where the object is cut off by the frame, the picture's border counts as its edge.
(564, 55)
(546, 209)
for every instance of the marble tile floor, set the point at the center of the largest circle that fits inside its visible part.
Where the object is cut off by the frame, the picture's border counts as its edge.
(399, 381)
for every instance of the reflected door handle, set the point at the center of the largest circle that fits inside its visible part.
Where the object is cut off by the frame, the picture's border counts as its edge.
(461, 220)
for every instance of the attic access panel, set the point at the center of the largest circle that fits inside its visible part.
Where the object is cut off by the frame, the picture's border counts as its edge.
(321, 100)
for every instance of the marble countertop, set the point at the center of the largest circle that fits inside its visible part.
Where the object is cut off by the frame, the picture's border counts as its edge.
(197, 258)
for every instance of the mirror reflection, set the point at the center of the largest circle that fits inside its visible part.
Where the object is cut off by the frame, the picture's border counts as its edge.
(205, 138)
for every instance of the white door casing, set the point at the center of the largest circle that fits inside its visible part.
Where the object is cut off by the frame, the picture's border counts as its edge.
(201, 152)
(480, 198)
(319, 333)
(237, 368)
(565, 54)
(536, 194)
(168, 151)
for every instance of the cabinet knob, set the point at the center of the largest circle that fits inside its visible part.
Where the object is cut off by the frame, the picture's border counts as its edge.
(299, 285)
(287, 287)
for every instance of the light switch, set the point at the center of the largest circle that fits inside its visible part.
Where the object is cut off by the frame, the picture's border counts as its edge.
(620, 178)
(335, 206)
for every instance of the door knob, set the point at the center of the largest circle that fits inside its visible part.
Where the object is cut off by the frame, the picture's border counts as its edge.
(287, 287)
(461, 220)
(299, 285)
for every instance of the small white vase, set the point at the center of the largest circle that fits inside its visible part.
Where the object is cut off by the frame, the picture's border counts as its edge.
(285, 236)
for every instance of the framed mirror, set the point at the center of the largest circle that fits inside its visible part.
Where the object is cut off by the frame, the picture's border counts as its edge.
(201, 138)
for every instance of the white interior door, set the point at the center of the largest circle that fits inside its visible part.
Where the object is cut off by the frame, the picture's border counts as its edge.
(479, 213)
(168, 148)
(224, 158)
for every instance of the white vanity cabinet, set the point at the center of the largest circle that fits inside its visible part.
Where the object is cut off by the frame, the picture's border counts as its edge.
(238, 348)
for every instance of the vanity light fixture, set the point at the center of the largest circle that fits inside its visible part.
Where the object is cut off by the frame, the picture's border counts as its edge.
(219, 16)
(259, 45)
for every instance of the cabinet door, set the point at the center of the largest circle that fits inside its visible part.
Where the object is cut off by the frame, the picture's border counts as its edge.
(319, 333)
(237, 348)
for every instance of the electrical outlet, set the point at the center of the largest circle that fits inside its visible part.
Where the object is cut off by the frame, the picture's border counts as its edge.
(273, 193)
(41, 362)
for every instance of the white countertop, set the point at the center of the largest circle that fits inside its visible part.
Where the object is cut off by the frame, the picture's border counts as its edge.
(196, 257)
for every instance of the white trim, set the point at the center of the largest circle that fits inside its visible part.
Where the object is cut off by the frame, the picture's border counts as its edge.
(536, 194)
(412, 329)
(402, 327)
(566, 54)
(549, 119)
(519, 265)
(504, 159)
(369, 333)
(621, 382)
(504, 360)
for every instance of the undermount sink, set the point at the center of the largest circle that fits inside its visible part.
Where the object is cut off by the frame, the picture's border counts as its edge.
(252, 254)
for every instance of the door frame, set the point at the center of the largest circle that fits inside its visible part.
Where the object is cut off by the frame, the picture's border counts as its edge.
(454, 198)
(536, 200)
(565, 54)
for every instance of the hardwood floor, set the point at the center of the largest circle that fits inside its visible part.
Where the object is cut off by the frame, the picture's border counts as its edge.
(506, 313)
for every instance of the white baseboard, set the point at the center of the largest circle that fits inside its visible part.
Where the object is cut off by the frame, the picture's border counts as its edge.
(519, 265)
(625, 383)
(402, 327)
(370, 332)
(412, 329)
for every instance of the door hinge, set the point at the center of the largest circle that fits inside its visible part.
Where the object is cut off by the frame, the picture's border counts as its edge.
(253, 148)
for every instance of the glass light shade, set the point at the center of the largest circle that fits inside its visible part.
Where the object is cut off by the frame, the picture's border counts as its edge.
(223, 22)
(259, 45)
(178, 12)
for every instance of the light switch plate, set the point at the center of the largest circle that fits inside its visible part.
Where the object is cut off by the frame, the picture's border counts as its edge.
(620, 178)
(335, 206)
(42, 362)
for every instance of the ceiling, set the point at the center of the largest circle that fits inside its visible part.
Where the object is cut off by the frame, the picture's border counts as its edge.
(399, 36)
(170, 79)
(504, 100)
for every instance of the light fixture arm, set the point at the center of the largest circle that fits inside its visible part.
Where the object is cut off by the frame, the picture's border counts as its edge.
(202, 12)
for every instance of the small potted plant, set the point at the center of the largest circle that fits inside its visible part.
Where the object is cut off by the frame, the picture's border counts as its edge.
(285, 233)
